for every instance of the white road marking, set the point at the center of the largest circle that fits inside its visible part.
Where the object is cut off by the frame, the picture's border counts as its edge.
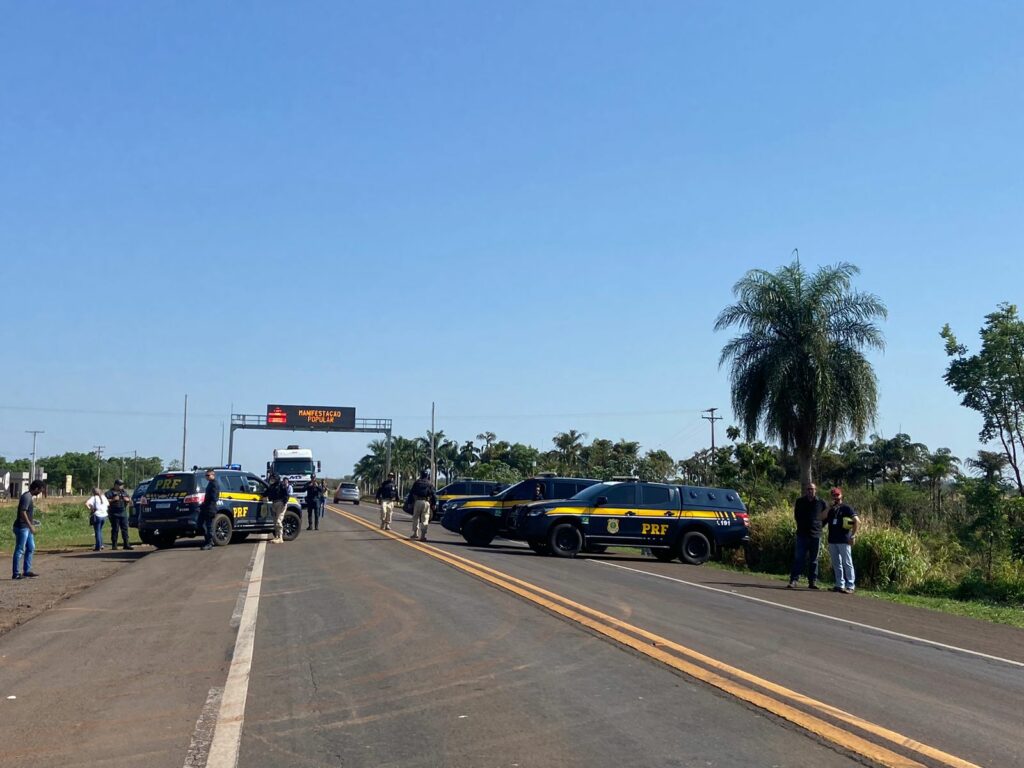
(891, 633)
(227, 733)
(199, 748)
(236, 615)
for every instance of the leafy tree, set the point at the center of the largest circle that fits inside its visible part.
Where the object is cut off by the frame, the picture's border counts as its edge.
(798, 370)
(991, 382)
(657, 467)
(569, 446)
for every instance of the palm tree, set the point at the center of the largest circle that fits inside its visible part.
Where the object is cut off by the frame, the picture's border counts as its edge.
(569, 445)
(798, 370)
(991, 465)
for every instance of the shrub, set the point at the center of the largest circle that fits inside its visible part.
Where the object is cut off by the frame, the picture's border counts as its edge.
(1006, 585)
(889, 559)
(771, 541)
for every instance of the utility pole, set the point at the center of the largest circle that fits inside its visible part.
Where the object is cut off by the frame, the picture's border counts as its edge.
(712, 418)
(222, 442)
(34, 433)
(184, 434)
(433, 439)
(99, 457)
(135, 468)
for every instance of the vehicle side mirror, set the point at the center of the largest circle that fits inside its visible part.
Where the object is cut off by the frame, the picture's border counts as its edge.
(494, 491)
(601, 501)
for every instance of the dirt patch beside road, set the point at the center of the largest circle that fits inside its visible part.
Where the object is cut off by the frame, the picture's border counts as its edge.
(61, 575)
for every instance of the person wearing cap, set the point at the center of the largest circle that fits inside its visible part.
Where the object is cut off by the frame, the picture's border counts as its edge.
(809, 511)
(117, 512)
(386, 496)
(423, 497)
(842, 532)
(208, 509)
(313, 504)
(277, 495)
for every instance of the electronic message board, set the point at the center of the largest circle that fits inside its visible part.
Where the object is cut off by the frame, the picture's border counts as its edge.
(310, 417)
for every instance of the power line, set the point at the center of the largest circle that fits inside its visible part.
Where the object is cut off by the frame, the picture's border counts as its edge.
(99, 457)
(712, 418)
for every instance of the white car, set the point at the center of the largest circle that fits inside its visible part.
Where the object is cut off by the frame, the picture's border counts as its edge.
(347, 492)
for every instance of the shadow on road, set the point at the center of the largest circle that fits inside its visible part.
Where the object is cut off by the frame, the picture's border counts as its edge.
(105, 554)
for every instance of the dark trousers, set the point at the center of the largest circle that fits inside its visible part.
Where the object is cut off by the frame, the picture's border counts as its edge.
(313, 515)
(807, 548)
(207, 521)
(118, 523)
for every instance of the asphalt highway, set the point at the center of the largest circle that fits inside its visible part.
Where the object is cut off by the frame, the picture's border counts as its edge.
(351, 647)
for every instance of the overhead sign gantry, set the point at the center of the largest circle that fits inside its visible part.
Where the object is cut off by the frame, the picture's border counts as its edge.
(309, 418)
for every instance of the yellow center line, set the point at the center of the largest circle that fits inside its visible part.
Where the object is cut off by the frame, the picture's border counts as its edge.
(654, 646)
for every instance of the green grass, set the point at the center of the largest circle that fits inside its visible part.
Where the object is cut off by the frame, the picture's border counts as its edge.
(63, 525)
(975, 609)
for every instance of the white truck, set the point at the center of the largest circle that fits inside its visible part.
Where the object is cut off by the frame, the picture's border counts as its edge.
(297, 465)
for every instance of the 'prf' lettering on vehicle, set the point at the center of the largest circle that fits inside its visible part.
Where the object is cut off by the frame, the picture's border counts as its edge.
(653, 529)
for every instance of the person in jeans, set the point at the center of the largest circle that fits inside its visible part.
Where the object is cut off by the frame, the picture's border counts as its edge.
(313, 504)
(118, 499)
(97, 506)
(386, 496)
(423, 498)
(842, 532)
(25, 532)
(208, 509)
(809, 512)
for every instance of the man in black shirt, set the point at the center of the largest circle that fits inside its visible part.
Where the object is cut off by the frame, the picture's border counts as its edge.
(118, 499)
(208, 509)
(25, 531)
(842, 532)
(809, 512)
(386, 496)
(423, 498)
(313, 504)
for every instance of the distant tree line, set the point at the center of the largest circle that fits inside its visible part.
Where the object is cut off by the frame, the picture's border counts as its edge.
(82, 468)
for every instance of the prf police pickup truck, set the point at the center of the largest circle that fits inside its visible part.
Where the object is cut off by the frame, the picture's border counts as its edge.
(671, 521)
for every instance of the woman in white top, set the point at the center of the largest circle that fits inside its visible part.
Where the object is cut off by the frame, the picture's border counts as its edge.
(97, 506)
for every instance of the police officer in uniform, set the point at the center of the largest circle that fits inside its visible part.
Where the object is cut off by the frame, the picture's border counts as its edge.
(423, 499)
(277, 495)
(208, 509)
(313, 504)
(386, 496)
(118, 499)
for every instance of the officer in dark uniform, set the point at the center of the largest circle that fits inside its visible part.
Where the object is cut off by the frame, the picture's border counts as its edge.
(208, 509)
(423, 499)
(118, 499)
(386, 496)
(313, 504)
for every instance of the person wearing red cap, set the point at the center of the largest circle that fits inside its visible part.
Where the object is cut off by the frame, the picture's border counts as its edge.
(842, 532)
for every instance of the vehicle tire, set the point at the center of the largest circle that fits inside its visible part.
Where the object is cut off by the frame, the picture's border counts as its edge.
(356, 503)
(596, 549)
(291, 524)
(222, 530)
(664, 555)
(565, 540)
(238, 538)
(164, 541)
(540, 547)
(695, 548)
(478, 531)
(145, 538)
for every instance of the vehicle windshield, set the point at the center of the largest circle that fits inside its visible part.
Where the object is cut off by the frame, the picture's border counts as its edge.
(347, 486)
(172, 484)
(591, 493)
(294, 466)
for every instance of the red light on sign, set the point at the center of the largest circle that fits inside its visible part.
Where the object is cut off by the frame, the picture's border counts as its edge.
(277, 415)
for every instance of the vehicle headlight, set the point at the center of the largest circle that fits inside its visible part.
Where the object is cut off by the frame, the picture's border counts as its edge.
(535, 511)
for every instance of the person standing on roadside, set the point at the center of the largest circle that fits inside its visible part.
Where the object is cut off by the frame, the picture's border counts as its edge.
(323, 497)
(97, 506)
(809, 511)
(208, 509)
(25, 532)
(277, 495)
(424, 498)
(386, 496)
(842, 532)
(313, 504)
(118, 499)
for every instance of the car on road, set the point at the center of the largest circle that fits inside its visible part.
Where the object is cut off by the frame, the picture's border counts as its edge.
(139, 500)
(671, 521)
(346, 492)
(172, 508)
(461, 489)
(480, 518)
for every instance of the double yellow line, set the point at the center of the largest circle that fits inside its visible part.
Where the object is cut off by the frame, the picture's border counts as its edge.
(754, 690)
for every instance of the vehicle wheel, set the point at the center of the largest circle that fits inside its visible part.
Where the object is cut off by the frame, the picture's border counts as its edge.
(238, 538)
(145, 538)
(291, 524)
(565, 540)
(478, 531)
(164, 541)
(596, 549)
(356, 503)
(222, 529)
(664, 555)
(540, 547)
(696, 549)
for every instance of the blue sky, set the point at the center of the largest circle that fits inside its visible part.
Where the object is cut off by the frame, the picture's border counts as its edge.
(530, 213)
